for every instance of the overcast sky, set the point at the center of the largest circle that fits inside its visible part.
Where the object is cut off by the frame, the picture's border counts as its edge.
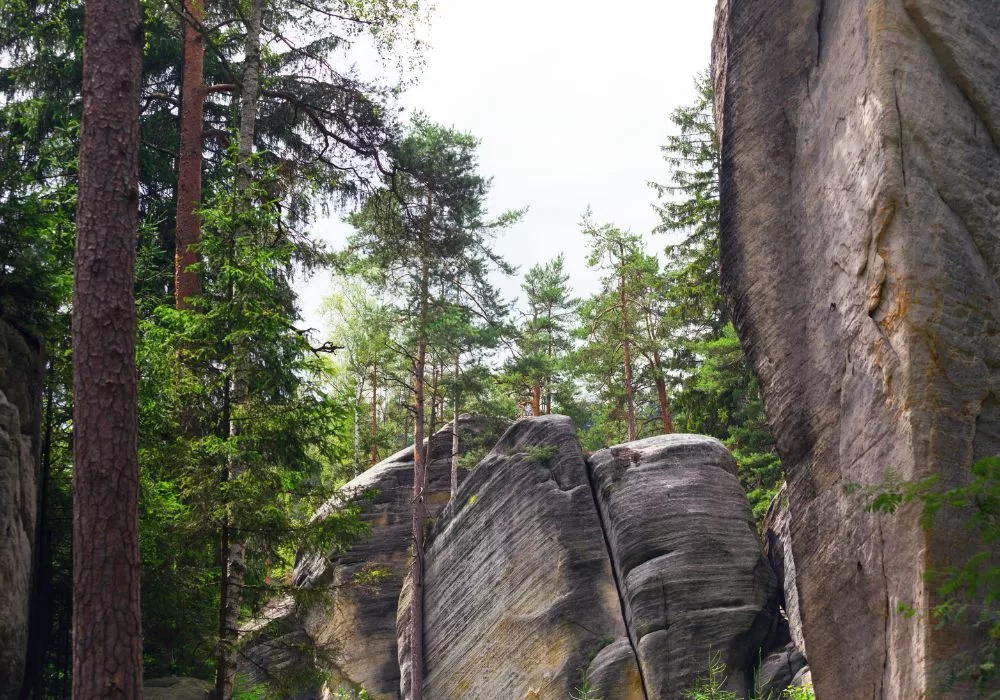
(571, 99)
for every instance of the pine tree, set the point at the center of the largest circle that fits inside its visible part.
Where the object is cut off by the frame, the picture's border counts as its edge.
(107, 635)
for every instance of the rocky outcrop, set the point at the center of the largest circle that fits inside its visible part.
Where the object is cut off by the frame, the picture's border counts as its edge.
(20, 422)
(519, 593)
(340, 630)
(176, 688)
(860, 190)
(778, 550)
(687, 559)
(541, 574)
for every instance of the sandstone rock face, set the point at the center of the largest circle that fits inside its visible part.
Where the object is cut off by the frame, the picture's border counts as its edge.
(540, 571)
(860, 192)
(349, 632)
(687, 558)
(20, 422)
(519, 594)
(778, 550)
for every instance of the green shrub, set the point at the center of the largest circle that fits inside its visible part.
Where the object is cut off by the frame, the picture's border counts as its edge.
(710, 687)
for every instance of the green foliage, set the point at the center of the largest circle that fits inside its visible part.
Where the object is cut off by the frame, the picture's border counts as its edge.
(968, 594)
(805, 692)
(543, 454)
(584, 691)
(711, 686)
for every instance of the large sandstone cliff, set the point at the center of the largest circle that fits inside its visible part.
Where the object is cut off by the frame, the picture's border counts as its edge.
(860, 185)
(20, 422)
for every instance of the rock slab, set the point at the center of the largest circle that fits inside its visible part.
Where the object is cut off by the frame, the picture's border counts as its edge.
(860, 237)
(20, 424)
(687, 559)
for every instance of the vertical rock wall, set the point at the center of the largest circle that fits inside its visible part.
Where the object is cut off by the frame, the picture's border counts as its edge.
(20, 422)
(861, 251)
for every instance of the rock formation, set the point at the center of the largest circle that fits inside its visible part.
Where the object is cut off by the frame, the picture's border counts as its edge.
(346, 630)
(540, 574)
(860, 188)
(20, 422)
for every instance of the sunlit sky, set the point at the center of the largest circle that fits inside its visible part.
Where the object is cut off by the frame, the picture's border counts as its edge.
(571, 100)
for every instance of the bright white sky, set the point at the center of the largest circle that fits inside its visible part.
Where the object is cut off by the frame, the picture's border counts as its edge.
(571, 99)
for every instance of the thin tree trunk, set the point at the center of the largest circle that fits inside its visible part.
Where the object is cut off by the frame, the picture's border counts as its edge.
(419, 479)
(107, 635)
(548, 379)
(626, 345)
(536, 400)
(661, 393)
(234, 545)
(357, 430)
(373, 458)
(432, 424)
(188, 283)
(454, 432)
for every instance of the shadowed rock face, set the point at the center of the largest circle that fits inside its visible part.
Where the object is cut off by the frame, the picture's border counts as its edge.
(860, 190)
(687, 558)
(347, 628)
(20, 423)
(633, 571)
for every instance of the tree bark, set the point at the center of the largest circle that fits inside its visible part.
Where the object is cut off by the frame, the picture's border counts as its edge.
(666, 420)
(454, 432)
(627, 351)
(187, 283)
(373, 458)
(419, 479)
(536, 399)
(107, 637)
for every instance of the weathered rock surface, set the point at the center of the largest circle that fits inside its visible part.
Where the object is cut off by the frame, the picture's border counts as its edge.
(526, 589)
(519, 593)
(350, 631)
(779, 671)
(176, 688)
(860, 192)
(687, 558)
(20, 422)
(778, 550)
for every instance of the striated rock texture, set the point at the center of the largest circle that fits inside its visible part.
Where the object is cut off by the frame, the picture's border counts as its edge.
(860, 187)
(778, 550)
(519, 593)
(20, 423)
(541, 572)
(687, 558)
(347, 627)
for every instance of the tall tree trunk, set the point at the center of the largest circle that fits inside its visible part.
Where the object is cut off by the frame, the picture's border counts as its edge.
(627, 352)
(357, 428)
(548, 379)
(454, 431)
(373, 458)
(536, 399)
(107, 636)
(666, 420)
(432, 424)
(234, 545)
(419, 479)
(188, 283)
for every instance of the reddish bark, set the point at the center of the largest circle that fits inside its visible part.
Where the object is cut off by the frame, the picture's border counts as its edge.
(107, 641)
(626, 346)
(186, 282)
(536, 400)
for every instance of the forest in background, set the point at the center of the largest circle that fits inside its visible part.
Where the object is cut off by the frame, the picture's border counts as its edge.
(250, 128)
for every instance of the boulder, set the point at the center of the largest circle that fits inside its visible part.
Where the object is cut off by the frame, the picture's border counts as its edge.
(519, 594)
(20, 424)
(176, 688)
(779, 671)
(687, 559)
(860, 239)
(343, 620)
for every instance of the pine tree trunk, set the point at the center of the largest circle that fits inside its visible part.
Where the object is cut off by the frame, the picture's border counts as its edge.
(107, 636)
(661, 394)
(189, 157)
(454, 433)
(234, 545)
(357, 429)
(419, 479)
(373, 458)
(627, 351)
(536, 399)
